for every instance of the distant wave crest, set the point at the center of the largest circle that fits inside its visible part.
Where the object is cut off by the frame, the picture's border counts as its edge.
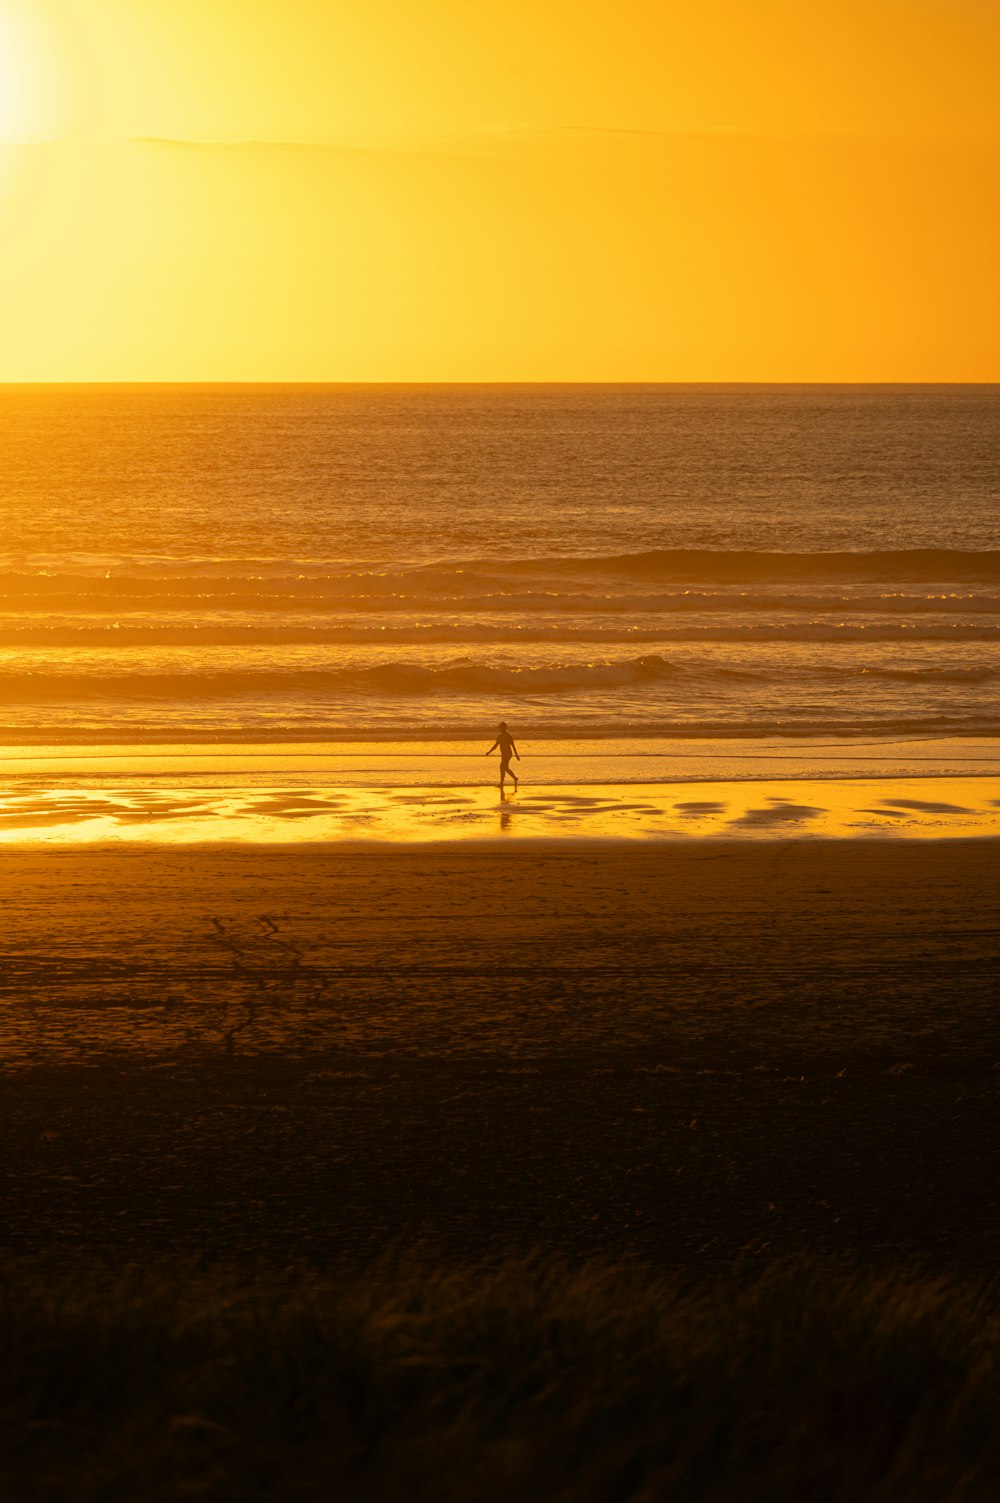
(125, 632)
(653, 563)
(480, 583)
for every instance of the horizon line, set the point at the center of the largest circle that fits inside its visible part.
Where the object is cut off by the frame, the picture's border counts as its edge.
(330, 384)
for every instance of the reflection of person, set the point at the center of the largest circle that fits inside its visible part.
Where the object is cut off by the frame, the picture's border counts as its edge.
(505, 741)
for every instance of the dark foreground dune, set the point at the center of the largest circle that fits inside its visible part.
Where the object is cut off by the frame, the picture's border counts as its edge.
(529, 1379)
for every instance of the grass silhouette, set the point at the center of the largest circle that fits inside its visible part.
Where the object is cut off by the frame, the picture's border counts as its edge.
(531, 1379)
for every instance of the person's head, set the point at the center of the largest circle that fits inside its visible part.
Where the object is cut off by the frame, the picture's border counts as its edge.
(503, 725)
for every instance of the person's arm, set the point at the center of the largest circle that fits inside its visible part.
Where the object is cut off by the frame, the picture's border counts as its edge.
(493, 748)
(514, 749)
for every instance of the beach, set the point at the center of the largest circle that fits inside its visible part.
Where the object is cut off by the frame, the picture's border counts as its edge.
(685, 1050)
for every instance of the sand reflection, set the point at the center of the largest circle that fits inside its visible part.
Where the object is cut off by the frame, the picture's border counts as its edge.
(929, 807)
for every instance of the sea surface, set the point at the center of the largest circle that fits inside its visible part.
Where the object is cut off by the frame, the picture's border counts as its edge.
(314, 564)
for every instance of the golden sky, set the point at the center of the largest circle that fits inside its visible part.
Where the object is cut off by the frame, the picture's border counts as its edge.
(382, 190)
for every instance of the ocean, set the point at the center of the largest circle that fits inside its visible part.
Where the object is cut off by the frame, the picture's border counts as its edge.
(317, 564)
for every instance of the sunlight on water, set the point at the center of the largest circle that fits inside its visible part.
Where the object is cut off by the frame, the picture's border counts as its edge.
(277, 565)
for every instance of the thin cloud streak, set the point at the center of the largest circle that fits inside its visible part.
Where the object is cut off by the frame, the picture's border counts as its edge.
(513, 136)
(528, 135)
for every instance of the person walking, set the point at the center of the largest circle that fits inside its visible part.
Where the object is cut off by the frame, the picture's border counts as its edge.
(505, 741)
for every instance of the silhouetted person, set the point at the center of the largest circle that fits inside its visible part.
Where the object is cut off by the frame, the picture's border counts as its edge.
(505, 741)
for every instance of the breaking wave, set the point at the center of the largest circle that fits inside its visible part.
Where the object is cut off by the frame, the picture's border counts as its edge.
(705, 565)
(381, 679)
(393, 679)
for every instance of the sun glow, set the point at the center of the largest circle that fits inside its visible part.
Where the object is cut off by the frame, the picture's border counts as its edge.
(11, 103)
(26, 83)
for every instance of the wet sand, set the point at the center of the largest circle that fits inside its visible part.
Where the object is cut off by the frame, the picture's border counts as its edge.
(195, 809)
(687, 1050)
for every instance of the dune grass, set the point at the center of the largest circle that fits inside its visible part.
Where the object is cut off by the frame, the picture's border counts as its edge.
(528, 1380)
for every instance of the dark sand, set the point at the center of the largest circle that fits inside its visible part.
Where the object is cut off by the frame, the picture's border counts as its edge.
(683, 1052)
